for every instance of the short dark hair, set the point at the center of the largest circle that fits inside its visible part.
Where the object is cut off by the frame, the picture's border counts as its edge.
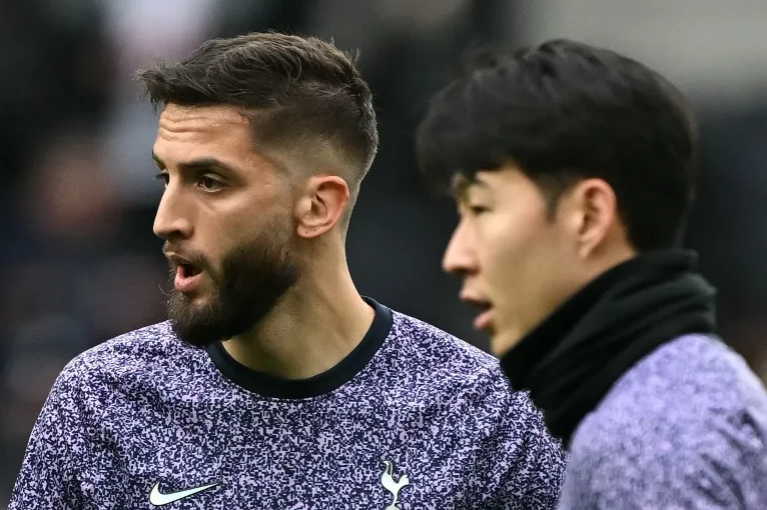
(304, 93)
(566, 111)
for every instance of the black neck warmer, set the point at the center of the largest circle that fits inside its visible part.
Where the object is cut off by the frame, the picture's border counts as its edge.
(572, 359)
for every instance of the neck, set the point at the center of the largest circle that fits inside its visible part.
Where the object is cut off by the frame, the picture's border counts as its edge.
(315, 325)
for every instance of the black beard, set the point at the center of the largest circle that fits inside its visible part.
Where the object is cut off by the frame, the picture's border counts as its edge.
(252, 279)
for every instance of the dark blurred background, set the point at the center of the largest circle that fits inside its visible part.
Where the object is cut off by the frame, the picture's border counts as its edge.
(79, 263)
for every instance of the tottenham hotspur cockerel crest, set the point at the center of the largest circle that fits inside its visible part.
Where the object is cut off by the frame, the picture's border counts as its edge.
(392, 485)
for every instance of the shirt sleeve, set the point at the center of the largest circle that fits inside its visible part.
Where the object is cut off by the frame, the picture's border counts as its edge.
(57, 445)
(723, 467)
(520, 465)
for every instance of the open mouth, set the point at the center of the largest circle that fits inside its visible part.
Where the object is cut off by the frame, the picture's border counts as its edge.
(188, 270)
(483, 321)
(187, 277)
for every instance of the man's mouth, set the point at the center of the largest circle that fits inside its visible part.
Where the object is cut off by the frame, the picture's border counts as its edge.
(188, 270)
(187, 273)
(483, 321)
(187, 277)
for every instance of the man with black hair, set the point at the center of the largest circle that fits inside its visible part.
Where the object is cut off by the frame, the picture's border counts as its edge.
(573, 169)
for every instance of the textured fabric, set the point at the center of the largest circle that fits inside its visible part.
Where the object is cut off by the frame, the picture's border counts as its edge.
(686, 428)
(144, 409)
(572, 359)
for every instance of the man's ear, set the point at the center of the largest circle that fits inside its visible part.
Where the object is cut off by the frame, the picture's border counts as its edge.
(321, 205)
(592, 214)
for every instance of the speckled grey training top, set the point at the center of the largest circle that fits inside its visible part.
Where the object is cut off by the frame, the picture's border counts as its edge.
(686, 428)
(425, 421)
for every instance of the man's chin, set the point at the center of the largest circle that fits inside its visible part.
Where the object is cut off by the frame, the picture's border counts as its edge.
(193, 321)
(192, 302)
(198, 329)
(503, 340)
(194, 335)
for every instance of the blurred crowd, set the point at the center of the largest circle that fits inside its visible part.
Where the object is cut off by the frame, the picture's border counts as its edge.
(79, 261)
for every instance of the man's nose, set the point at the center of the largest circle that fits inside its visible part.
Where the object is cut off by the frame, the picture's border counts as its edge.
(460, 258)
(172, 219)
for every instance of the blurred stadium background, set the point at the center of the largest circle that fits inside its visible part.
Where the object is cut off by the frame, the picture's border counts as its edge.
(79, 263)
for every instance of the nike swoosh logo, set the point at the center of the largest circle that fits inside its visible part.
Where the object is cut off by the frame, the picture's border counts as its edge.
(157, 498)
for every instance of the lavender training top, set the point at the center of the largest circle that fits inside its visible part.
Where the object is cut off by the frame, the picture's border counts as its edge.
(684, 428)
(413, 419)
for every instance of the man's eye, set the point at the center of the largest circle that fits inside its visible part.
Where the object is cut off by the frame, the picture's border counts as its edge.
(478, 210)
(207, 183)
(162, 176)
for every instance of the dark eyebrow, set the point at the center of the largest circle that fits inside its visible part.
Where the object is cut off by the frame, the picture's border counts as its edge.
(462, 184)
(196, 164)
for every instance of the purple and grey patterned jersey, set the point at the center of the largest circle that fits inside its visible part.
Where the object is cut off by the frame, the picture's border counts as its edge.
(685, 428)
(412, 419)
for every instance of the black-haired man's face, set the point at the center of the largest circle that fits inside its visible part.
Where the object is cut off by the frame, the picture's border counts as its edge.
(226, 217)
(516, 261)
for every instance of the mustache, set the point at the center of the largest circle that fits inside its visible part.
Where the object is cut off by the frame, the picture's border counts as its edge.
(197, 259)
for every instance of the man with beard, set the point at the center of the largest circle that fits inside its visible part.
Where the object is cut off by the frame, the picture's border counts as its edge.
(573, 171)
(275, 384)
